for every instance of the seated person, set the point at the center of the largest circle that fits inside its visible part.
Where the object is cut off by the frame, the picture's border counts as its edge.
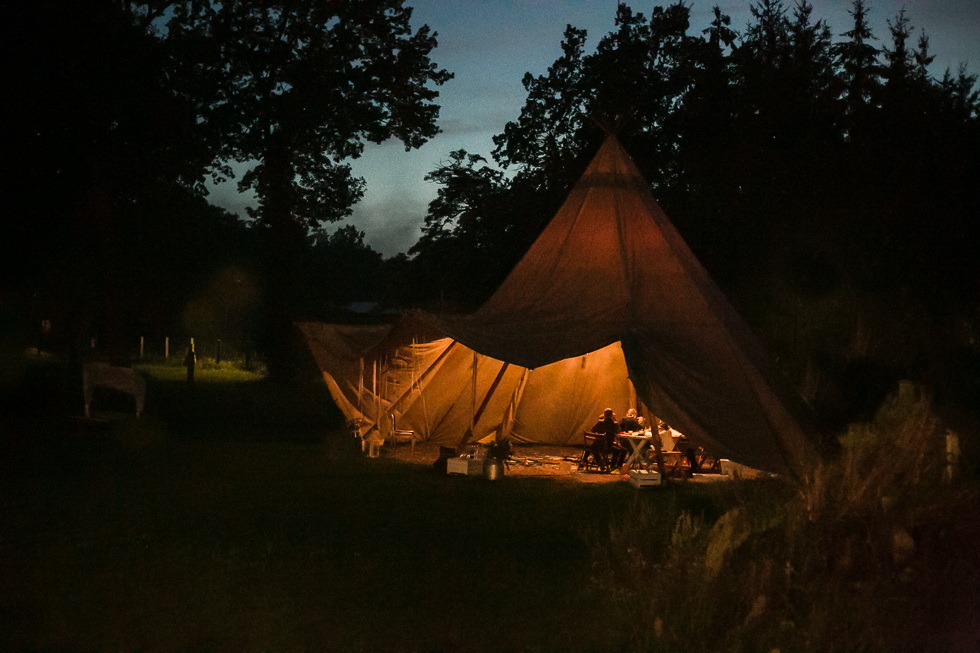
(694, 458)
(608, 426)
(631, 422)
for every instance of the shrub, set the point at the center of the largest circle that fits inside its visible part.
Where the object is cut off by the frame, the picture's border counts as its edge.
(874, 551)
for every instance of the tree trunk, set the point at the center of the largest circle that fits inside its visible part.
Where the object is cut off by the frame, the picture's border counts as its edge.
(284, 240)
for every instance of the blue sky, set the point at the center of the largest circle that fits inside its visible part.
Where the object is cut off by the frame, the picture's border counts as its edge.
(490, 44)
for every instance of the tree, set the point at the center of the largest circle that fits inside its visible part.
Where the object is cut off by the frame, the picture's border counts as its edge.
(467, 239)
(298, 87)
(100, 152)
(543, 140)
(338, 269)
(301, 86)
(630, 84)
(858, 60)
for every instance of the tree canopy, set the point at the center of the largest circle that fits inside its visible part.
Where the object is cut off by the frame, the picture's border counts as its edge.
(298, 87)
(805, 169)
(122, 109)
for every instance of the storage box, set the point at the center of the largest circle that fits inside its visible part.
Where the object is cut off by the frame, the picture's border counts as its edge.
(465, 466)
(644, 478)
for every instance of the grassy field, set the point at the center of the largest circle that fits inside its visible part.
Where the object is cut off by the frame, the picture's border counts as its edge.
(237, 516)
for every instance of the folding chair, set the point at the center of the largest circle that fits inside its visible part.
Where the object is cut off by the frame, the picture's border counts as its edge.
(402, 435)
(595, 453)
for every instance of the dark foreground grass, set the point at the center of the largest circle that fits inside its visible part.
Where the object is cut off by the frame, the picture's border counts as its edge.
(284, 546)
(239, 517)
(234, 518)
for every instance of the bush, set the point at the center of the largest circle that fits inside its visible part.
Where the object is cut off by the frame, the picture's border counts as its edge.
(874, 551)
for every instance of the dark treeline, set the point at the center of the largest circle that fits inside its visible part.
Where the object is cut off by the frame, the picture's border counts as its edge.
(826, 181)
(118, 112)
(824, 178)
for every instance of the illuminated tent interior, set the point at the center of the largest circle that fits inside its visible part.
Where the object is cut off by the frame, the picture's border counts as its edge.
(609, 307)
(428, 386)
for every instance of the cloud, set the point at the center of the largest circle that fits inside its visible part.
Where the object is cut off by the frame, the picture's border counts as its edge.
(390, 227)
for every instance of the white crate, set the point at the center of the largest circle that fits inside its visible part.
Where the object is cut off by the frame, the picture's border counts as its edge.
(644, 478)
(465, 466)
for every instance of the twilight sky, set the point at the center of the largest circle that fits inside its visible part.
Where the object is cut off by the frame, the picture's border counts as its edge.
(490, 44)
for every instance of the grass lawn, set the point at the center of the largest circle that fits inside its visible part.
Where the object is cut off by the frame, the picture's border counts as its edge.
(238, 517)
(206, 372)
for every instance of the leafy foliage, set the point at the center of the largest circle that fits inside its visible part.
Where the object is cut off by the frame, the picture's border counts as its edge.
(298, 87)
(803, 168)
(866, 557)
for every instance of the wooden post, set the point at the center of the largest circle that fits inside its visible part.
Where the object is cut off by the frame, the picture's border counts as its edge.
(141, 347)
(166, 348)
(190, 361)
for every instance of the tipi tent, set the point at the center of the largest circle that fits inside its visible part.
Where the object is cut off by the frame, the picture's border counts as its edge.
(609, 290)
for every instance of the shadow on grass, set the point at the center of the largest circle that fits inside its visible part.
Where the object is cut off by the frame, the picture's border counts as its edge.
(249, 411)
(237, 517)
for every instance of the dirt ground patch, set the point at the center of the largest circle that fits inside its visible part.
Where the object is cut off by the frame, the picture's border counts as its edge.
(556, 462)
(560, 463)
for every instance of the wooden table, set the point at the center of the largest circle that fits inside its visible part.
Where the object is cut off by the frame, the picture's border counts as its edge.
(638, 441)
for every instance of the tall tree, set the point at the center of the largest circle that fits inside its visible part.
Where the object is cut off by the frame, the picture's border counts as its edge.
(298, 89)
(302, 85)
(542, 141)
(858, 60)
(468, 229)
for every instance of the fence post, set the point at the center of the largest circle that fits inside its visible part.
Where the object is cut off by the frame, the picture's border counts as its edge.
(141, 347)
(190, 360)
(166, 348)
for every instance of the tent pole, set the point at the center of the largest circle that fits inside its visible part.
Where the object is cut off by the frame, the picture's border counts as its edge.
(473, 404)
(515, 401)
(360, 390)
(469, 432)
(418, 382)
(483, 405)
(422, 376)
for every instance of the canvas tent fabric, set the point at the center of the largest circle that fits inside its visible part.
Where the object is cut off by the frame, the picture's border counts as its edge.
(610, 270)
(374, 374)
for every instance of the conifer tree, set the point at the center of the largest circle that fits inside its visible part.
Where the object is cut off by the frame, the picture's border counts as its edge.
(858, 60)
